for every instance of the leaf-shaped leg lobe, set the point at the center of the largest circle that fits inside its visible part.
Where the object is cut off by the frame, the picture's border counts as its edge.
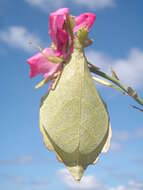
(76, 171)
(75, 119)
(107, 144)
(47, 142)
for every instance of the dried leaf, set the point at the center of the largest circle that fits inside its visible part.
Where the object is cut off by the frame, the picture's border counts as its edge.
(74, 120)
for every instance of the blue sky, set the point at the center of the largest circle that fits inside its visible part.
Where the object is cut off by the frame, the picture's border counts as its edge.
(25, 164)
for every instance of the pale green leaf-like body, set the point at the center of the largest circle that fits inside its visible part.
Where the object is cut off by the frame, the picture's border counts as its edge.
(74, 119)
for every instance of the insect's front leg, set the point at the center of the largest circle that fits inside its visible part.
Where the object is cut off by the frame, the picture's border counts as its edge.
(42, 83)
(54, 78)
(55, 82)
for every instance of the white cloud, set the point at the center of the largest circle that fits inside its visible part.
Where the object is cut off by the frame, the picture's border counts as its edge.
(19, 37)
(138, 133)
(99, 59)
(132, 185)
(135, 184)
(120, 187)
(121, 136)
(26, 159)
(98, 4)
(47, 5)
(36, 182)
(90, 182)
(129, 69)
(16, 179)
(125, 135)
(115, 146)
(87, 182)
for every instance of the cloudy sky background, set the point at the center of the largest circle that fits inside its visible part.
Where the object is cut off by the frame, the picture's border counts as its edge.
(25, 164)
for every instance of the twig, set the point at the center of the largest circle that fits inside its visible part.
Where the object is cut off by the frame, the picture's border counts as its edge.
(126, 89)
(109, 84)
(137, 108)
